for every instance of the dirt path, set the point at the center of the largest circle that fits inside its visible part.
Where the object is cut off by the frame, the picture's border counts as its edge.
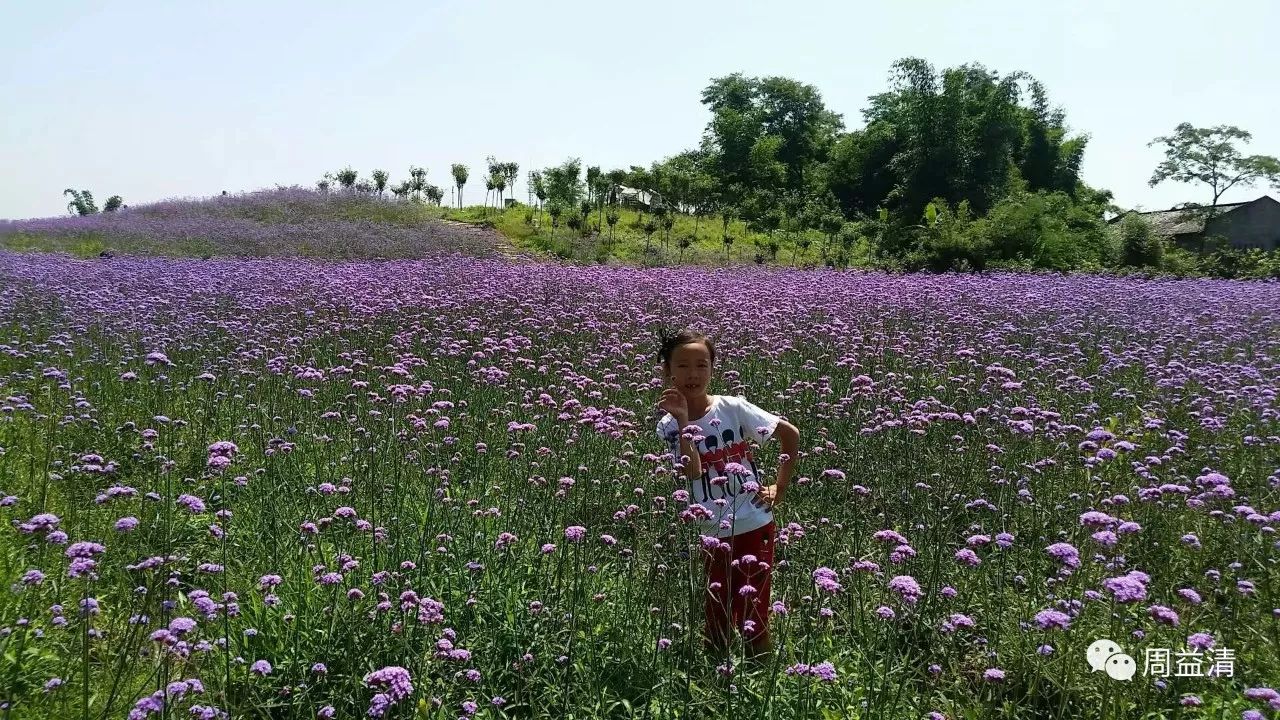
(501, 244)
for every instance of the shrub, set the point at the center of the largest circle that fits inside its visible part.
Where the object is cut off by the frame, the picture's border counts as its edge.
(1140, 246)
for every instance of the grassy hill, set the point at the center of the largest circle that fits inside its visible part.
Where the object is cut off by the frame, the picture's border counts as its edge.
(306, 223)
(283, 222)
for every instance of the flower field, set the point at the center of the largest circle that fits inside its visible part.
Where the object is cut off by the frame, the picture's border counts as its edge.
(285, 222)
(282, 488)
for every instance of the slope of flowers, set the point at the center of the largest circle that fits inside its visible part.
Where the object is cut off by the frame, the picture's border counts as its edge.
(283, 222)
(292, 489)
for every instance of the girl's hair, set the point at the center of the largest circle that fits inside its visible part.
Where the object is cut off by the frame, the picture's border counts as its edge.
(669, 339)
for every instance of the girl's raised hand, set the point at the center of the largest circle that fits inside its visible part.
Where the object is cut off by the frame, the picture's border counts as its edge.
(675, 403)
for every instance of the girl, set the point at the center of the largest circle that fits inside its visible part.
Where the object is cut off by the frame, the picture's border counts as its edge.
(735, 512)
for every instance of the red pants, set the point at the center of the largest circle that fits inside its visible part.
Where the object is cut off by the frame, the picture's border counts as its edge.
(727, 603)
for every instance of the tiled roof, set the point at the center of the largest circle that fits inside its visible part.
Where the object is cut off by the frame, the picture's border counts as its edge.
(1181, 221)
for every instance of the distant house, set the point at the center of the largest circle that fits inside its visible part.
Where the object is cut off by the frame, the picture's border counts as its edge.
(1253, 224)
(632, 196)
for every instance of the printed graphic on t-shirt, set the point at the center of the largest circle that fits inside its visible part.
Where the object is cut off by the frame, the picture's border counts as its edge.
(716, 457)
(724, 430)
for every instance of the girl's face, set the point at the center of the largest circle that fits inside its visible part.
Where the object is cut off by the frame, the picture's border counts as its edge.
(690, 369)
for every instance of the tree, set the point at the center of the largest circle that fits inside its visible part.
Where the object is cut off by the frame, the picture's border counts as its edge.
(615, 177)
(346, 178)
(593, 179)
(611, 217)
(1140, 245)
(417, 181)
(555, 210)
(1210, 156)
(564, 187)
(81, 202)
(113, 203)
(499, 184)
(459, 179)
(649, 227)
(770, 134)
(684, 244)
(539, 189)
(380, 178)
(495, 169)
(600, 191)
(434, 193)
(511, 171)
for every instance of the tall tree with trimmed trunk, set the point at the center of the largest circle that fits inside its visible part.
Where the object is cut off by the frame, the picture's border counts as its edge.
(459, 179)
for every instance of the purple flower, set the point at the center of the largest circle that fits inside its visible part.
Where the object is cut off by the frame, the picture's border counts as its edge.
(906, 587)
(85, 550)
(192, 503)
(1200, 641)
(1097, 519)
(825, 579)
(1047, 619)
(394, 678)
(1126, 588)
(575, 533)
(1065, 553)
(1105, 537)
(824, 671)
(889, 536)
(125, 524)
(1163, 614)
(260, 667)
(967, 557)
(43, 522)
(993, 674)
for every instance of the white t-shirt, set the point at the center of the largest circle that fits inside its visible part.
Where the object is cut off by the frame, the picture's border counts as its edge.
(726, 427)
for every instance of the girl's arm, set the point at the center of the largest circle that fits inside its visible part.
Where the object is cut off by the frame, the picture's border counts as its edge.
(692, 468)
(789, 436)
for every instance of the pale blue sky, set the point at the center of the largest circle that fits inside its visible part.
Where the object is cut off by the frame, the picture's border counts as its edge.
(153, 100)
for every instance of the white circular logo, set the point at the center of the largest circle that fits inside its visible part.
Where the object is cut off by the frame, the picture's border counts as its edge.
(1100, 651)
